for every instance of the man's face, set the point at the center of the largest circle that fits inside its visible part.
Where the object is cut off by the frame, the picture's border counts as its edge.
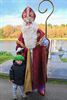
(28, 17)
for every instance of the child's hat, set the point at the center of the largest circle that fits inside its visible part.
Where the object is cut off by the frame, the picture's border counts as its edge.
(19, 58)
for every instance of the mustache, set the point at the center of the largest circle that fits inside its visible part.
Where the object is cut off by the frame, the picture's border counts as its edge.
(29, 19)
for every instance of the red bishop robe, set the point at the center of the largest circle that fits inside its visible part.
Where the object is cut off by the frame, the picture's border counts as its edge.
(40, 58)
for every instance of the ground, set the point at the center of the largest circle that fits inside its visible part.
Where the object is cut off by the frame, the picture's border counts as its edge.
(53, 92)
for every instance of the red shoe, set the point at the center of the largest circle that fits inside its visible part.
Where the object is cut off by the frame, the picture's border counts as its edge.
(42, 93)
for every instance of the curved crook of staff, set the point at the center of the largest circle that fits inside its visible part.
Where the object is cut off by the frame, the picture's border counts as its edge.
(42, 12)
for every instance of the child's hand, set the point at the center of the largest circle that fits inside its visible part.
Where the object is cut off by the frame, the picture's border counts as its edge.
(11, 81)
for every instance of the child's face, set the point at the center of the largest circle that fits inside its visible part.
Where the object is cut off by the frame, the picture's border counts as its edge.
(19, 62)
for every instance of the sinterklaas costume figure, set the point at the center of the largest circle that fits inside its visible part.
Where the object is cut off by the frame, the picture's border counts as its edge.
(36, 48)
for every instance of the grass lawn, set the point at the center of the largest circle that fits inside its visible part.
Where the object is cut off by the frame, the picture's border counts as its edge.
(4, 56)
(63, 59)
(57, 81)
(4, 76)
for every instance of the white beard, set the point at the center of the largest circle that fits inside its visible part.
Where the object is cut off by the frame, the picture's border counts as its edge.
(30, 35)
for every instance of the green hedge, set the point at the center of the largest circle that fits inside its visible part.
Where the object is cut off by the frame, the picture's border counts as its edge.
(4, 56)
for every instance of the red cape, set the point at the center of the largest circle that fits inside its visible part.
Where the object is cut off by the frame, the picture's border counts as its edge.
(40, 58)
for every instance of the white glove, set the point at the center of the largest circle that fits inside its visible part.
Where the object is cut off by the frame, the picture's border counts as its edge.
(45, 42)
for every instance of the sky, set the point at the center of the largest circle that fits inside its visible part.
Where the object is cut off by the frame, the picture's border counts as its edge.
(11, 11)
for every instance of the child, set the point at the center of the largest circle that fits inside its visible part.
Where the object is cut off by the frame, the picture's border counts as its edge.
(17, 74)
